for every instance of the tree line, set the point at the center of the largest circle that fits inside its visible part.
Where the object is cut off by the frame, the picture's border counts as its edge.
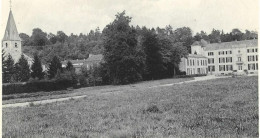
(131, 53)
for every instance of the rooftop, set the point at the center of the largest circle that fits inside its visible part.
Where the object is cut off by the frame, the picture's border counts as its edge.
(11, 32)
(196, 56)
(228, 45)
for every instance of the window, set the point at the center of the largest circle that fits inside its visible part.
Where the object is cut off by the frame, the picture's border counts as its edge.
(229, 67)
(193, 63)
(240, 67)
(206, 62)
(238, 51)
(210, 53)
(239, 59)
(198, 62)
(6, 45)
(221, 60)
(228, 59)
(221, 67)
(16, 45)
(251, 66)
(253, 50)
(256, 50)
(256, 58)
(250, 58)
(188, 62)
(247, 50)
(226, 52)
(211, 68)
(211, 60)
(230, 52)
(256, 66)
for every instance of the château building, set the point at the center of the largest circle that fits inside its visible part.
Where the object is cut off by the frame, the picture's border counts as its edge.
(222, 58)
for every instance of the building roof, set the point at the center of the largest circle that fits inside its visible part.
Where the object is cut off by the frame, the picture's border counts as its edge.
(91, 59)
(228, 45)
(11, 32)
(196, 56)
(202, 43)
(94, 58)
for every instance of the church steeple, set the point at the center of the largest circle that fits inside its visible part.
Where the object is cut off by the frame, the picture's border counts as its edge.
(11, 42)
(11, 32)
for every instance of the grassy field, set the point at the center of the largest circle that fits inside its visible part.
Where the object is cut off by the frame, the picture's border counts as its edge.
(215, 108)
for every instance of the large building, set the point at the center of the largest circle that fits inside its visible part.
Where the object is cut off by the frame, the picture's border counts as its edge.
(222, 58)
(11, 42)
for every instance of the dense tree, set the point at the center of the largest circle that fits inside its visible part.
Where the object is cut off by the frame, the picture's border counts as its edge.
(25, 39)
(183, 35)
(8, 69)
(39, 38)
(153, 62)
(214, 37)
(22, 70)
(37, 71)
(124, 62)
(54, 66)
(52, 38)
(61, 36)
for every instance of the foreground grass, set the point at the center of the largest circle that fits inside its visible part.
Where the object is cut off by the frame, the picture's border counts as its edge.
(216, 108)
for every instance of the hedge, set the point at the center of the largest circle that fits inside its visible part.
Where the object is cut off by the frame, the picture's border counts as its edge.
(36, 86)
(190, 76)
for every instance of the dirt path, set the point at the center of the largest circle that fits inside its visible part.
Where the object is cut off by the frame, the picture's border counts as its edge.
(24, 104)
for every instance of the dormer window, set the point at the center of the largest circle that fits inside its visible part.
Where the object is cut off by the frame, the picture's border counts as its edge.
(6, 45)
(16, 45)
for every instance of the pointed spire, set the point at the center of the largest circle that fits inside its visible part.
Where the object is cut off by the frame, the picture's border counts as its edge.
(11, 32)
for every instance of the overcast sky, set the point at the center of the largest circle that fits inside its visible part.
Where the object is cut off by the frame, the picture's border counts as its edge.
(80, 16)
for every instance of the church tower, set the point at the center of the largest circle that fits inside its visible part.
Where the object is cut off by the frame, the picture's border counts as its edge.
(11, 43)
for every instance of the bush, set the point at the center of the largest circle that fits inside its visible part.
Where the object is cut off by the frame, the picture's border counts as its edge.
(36, 86)
(83, 81)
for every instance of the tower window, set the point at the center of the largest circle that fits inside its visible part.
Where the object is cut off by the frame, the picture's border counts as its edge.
(16, 45)
(6, 45)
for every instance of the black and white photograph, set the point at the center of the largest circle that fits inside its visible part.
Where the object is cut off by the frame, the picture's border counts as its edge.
(129, 68)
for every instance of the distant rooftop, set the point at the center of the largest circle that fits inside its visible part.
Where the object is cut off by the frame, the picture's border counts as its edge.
(202, 42)
(228, 45)
(90, 59)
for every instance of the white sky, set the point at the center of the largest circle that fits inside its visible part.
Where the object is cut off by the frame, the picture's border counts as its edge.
(80, 16)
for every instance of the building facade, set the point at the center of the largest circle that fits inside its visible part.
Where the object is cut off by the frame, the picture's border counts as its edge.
(224, 58)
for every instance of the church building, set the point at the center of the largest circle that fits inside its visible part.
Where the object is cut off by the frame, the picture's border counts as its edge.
(11, 42)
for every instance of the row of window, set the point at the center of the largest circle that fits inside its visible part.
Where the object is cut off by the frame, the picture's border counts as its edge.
(225, 60)
(191, 62)
(230, 67)
(224, 52)
(210, 53)
(252, 50)
(199, 71)
(6, 45)
(225, 67)
(252, 58)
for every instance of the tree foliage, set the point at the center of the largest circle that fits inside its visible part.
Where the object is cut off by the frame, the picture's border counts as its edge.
(54, 67)
(37, 71)
(22, 70)
(124, 62)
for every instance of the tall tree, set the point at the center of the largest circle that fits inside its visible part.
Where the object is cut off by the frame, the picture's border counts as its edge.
(183, 35)
(25, 39)
(8, 69)
(37, 71)
(39, 38)
(22, 70)
(153, 63)
(54, 66)
(124, 62)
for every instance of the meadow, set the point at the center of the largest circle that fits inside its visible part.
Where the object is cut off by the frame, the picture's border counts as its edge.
(215, 108)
